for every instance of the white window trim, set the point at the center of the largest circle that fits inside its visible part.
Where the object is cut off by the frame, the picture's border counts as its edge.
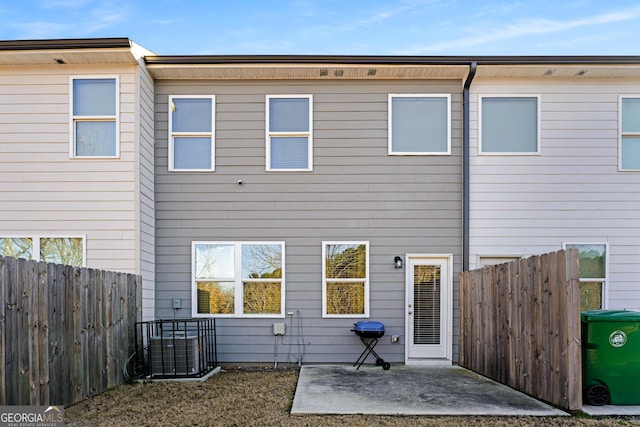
(211, 134)
(604, 280)
(238, 288)
(622, 134)
(308, 135)
(35, 239)
(73, 119)
(324, 280)
(538, 125)
(505, 258)
(390, 124)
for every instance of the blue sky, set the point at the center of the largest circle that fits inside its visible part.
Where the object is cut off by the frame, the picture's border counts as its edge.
(339, 27)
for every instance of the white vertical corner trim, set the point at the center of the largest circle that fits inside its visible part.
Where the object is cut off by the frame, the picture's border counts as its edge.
(72, 118)
(390, 98)
(308, 135)
(171, 135)
(538, 124)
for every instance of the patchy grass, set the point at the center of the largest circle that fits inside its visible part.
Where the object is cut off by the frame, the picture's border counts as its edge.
(259, 397)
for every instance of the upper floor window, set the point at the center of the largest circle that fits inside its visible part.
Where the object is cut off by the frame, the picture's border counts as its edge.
(345, 279)
(94, 117)
(289, 133)
(191, 133)
(629, 133)
(238, 278)
(58, 250)
(509, 125)
(593, 273)
(419, 124)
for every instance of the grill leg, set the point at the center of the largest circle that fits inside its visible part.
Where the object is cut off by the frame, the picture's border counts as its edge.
(369, 346)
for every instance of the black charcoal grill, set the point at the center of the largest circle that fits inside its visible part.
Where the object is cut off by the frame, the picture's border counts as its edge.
(369, 333)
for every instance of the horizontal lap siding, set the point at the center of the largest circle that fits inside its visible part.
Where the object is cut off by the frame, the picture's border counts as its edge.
(400, 204)
(42, 191)
(572, 192)
(146, 194)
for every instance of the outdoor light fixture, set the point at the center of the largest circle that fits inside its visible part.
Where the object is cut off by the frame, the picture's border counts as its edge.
(398, 262)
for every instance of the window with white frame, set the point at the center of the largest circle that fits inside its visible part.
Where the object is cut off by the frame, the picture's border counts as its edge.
(345, 279)
(238, 279)
(485, 260)
(509, 125)
(191, 133)
(629, 133)
(94, 117)
(593, 273)
(419, 124)
(57, 250)
(289, 145)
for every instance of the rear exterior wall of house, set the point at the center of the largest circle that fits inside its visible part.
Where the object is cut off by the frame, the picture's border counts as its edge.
(47, 193)
(571, 192)
(355, 192)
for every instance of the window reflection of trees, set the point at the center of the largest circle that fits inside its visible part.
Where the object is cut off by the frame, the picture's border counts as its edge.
(261, 278)
(57, 250)
(17, 247)
(345, 261)
(66, 251)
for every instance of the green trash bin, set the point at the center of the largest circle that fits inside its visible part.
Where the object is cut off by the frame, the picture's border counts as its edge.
(611, 357)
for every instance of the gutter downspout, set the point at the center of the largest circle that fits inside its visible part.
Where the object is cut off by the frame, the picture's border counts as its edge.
(465, 165)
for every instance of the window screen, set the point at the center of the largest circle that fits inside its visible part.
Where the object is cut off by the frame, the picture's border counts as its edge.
(509, 125)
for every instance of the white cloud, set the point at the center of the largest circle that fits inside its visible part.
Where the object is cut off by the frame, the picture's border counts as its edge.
(65, 4)
(528, 27)
(41, 30)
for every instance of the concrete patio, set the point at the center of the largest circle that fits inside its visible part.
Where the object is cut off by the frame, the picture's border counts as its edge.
(409, 390)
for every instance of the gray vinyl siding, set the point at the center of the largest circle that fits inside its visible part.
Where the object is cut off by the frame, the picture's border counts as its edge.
(400, 204)
(42, 190)
(146, 194)
(573, 192)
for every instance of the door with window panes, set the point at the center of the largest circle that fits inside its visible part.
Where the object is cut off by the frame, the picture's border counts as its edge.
(429, 308)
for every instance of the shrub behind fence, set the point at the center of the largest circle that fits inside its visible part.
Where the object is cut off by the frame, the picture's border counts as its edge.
(65, 332)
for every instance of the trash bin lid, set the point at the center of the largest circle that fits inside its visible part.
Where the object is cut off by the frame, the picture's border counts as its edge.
(610, 316)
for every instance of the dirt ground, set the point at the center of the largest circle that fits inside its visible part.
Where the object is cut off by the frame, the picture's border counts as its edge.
(260, 397)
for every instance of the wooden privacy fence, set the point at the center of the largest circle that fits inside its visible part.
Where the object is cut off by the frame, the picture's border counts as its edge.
(520, 325)
(65, 332)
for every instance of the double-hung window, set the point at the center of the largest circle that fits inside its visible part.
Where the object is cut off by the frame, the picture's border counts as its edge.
(629, 133)
(419, 124)
(94, 117)
(289, 145)
(238, 279)
(509, 124)
(345, 279)
(593, 273)
(58, 250)
(191, 133)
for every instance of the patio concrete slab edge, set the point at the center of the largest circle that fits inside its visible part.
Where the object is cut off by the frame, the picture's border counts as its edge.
(605, 410)
(409, 390)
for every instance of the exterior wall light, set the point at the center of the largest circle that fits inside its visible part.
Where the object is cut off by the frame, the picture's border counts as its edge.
(398, 262)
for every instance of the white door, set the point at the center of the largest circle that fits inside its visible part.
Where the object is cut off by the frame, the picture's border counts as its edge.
(429, 283)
